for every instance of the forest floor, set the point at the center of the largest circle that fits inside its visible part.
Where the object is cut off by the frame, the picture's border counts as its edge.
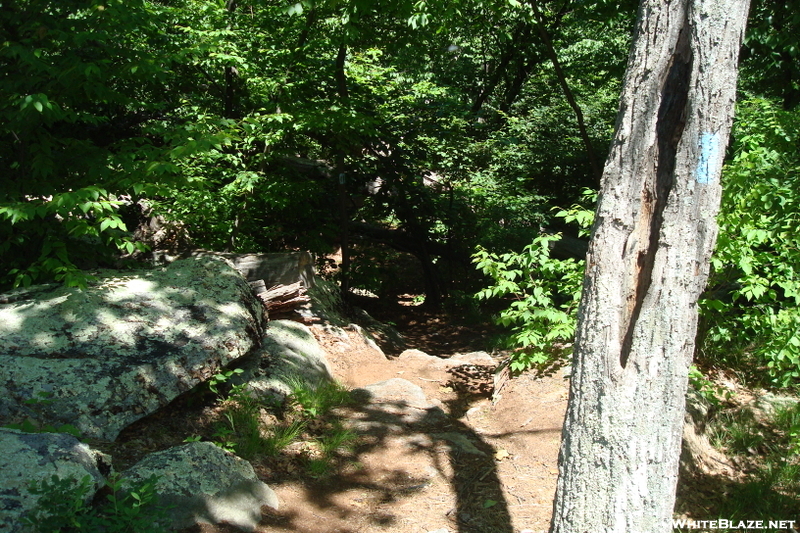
(486, 468)
(499, 479)
(490, 466)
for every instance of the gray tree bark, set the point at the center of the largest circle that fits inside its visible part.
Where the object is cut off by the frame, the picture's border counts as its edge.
(646, 266)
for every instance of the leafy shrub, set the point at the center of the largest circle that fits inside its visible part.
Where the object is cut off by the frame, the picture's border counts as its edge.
(752, 318)
(533, 279)
(223, 376)
(63, 507)
(713, 393)
(545, 293)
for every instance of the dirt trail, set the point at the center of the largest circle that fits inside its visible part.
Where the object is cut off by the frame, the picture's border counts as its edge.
(482, 468)
(451, 461)
(488, 468)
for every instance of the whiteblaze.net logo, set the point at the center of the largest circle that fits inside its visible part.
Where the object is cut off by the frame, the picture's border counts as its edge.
(785, 525)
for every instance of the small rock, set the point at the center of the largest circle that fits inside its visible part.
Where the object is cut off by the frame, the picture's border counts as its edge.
(474, 358)
(336, 331)
(399, 391)
(473, 412)
(205, 484)
(768, 404)
(368, 339)
(390, 404)
(38, 456)
(416, 354)
(461, 442)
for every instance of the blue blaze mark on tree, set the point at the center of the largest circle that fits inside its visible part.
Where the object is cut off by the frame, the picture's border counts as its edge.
(710, 159)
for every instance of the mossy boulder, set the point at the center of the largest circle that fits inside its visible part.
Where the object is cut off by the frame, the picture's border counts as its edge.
(201, 483)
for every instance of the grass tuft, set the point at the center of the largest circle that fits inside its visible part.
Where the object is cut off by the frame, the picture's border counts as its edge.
(317, 400)
(254, 428)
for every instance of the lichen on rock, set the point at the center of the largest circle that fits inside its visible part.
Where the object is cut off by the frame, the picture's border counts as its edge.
(104, 357)
(39, 456)
(201, 483)
(289, 351)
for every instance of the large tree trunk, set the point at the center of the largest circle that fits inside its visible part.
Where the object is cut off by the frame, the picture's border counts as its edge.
(646, 266)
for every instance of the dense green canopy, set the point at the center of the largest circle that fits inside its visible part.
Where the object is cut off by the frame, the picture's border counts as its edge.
(416, 129)
(236, 118)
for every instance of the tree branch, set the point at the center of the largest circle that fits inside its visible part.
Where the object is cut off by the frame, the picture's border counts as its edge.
(597, 170)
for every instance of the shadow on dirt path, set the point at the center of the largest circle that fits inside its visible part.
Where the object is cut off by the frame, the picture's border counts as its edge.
(460, 456)
(440, 456)
(418, 470)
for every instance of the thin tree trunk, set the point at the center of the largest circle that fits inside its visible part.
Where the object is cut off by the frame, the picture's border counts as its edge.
(519, 41)
(646, 266)
(230, 71)
(344, 220)
(237, 221)
(344, 216)
(562, 80)
(340, 75)
(515, 86)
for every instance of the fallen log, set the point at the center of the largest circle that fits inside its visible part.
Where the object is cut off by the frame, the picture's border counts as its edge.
(280, 299)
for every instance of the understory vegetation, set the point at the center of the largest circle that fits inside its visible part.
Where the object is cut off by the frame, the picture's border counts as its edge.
(776, 436)
(427, 138)
(301, 433)
(65, 506)
(256, 427)
(764, 447)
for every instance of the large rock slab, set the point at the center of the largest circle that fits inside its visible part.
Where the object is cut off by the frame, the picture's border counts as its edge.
(462, 359)
(102, 358)
(201, 483)
(30, 457)
(274, 269)
(289, 351)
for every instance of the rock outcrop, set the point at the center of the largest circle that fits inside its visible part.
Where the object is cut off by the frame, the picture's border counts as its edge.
(39, 456)
(288, 351)
(697, 453)
(101, 358)
(391, 405)
(765, 406)
(201, 483)
(471, 358)
(273, 269)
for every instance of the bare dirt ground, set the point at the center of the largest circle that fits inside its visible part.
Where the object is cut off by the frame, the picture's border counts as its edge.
(486, 467)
